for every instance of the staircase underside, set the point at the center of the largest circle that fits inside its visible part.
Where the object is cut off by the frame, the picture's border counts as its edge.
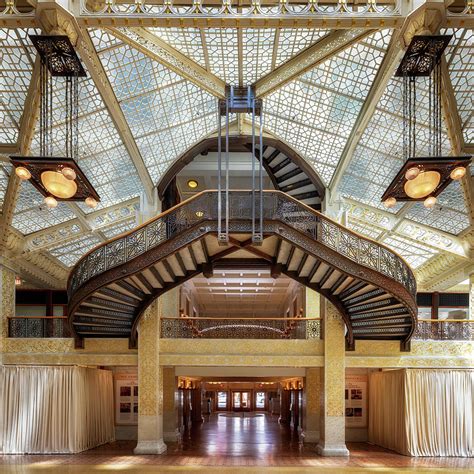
(374, 304)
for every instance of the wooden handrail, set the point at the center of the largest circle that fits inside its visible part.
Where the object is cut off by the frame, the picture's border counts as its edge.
(180, 318)
(471, 321)
(36, 317)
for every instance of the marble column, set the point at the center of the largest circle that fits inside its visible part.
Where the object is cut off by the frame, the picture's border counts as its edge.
(311, 408)
(150, 383)
(171, 430)
(332, 426)
(7, 304)
(312, 307)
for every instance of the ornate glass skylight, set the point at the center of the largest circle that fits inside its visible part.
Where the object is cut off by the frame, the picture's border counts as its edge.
(5, 170)
(71, 252)
(32, 215)
(17, 57)
(460, 59)
(414, 253)
(315, 114)
(165, 112)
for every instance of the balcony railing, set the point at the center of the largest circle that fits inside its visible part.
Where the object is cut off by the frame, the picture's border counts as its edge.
(241, 328)
(445, 330)
(38, 326)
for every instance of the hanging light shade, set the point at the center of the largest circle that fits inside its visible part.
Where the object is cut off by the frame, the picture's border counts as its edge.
(458, 173)
(412, 173)
(69, 173)
(50, 202)
(91, 202)
(430, 202)
(58, 185)
(423, 185)
(390, 202)
(22, 173)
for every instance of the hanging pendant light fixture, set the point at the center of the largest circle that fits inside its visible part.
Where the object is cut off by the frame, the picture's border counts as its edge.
(57, 178)
(424, 178)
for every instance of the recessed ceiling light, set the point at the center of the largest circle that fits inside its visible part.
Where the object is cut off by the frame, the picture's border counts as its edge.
(193, 184)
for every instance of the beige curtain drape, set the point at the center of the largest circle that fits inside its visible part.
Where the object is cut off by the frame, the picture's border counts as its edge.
(55, 409)
(423, 412)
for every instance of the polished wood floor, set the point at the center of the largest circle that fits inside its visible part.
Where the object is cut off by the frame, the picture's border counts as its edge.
(232, 444)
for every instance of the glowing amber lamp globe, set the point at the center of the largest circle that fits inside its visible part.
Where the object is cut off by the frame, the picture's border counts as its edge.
(423, 185)
(58, 185)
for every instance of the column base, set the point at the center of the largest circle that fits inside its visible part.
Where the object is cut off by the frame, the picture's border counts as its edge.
(150, 447)
(310, 436)
(332, 450)
(172, 436)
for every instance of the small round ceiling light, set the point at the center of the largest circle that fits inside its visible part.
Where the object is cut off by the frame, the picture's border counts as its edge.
(423, 185)
(390, 202)
(412, 173)
(23, 173)
(192, 184)
(430, 202)
(58, 185)
(68, 173)
(91, 202)
(50, 202)
(458, 173)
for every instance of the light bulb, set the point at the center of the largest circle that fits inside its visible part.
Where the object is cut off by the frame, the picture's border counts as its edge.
(199, 213)
(390, 202)
(56, 184)
(430, 202)
(193, 184)
(423, 185)
(91, 202)
(50, 202)
(412, 173)
(69, 173)
(457, 173)
(22, 173)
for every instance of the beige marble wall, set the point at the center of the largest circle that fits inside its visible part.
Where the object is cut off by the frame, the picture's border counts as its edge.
(171, 430)
(7, 304)
(332, 429)
(312, 405)
(471, 296)
(150, 381)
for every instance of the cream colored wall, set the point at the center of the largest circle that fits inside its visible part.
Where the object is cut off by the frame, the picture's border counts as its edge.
(240, 353)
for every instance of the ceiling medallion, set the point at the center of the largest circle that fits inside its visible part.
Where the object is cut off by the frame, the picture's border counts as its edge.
(57, 178)
(423, 178)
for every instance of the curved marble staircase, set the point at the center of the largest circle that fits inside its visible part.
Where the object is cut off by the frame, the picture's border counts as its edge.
(373, 288)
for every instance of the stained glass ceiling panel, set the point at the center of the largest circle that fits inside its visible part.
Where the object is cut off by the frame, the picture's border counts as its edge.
(460, 59)
(315, 114)
(217, 49)
(165, 112)
(17, 57)
(414, 253)
(32, 215)
(70, 253)
(5, 170)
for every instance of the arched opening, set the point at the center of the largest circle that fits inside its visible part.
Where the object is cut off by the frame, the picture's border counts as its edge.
(285, 170)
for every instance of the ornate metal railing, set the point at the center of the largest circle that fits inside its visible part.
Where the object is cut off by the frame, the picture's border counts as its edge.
(35, 326)
(445, 330)
(240, 328)
(245, 9)
(277, 207)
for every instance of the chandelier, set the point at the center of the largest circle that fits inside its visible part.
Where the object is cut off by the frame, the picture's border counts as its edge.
(57, 178)
(423, 178)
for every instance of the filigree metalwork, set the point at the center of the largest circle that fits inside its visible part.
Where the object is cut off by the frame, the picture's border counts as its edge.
(254, 9)
(38, 327)
(439, 330)
(240, 328)
(277, 207)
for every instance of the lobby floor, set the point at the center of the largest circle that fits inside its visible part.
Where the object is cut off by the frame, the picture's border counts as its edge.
(232, 444)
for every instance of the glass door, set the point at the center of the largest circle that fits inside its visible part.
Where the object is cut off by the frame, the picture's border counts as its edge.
(222, 400)
(241, 401)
